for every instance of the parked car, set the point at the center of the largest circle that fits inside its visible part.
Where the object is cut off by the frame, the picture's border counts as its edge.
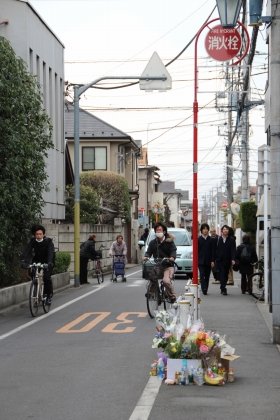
(183, 244)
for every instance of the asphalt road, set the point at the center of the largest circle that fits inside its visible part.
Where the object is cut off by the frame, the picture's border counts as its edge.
(90, 357)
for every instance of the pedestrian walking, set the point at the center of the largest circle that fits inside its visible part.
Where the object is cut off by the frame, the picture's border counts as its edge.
(215, 273)
(230, 281)
(223, 257)
(205, 246)
(87, 252)
(246, 256)
(144, 237)
(118, 248)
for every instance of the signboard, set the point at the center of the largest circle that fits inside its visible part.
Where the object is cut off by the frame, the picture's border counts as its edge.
(223, 44)
(155, 68)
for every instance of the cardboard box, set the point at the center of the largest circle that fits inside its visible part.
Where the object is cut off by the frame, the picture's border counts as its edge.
(174, 365)
(225, 360)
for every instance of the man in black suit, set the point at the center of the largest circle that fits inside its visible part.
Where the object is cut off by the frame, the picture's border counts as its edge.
(205, 245)
(224, 256)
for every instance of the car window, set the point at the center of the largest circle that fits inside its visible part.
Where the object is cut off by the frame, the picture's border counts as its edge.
(182, 238)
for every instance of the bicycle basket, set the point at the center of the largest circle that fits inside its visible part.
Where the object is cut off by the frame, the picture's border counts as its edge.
(98, 254)
(155, 273)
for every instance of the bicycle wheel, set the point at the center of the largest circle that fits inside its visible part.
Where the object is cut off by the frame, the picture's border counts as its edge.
(46, 306)
(257, 286)
(33, 299)
(100, 277)
(152, 299)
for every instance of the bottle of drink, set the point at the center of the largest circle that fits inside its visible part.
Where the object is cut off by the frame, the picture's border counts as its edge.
(183, 376)
(230, 375)
(160, 369)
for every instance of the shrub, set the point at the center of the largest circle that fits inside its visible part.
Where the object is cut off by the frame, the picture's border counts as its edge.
(104, 195)
(25, 138)
(62, 262)
(247, 217)
(89, 205)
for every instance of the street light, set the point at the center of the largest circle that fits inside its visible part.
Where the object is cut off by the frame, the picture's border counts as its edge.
(228, 11)
(154, 71)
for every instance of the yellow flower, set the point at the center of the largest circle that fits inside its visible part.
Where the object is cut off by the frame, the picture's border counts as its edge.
(209, 342)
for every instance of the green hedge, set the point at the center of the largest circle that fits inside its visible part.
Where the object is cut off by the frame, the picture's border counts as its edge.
(62, 262)
(247, 217)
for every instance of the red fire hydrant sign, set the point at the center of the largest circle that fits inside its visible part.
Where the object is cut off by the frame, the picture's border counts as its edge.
(223, 44)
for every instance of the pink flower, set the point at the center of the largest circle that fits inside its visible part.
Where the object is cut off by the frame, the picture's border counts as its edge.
(203, 348)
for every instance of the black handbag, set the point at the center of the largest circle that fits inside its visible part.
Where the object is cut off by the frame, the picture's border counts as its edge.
(235, 266)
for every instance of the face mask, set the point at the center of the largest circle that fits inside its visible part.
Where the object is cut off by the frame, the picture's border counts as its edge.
(159, 235)
(39, 240)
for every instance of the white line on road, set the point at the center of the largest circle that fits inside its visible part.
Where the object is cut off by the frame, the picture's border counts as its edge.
(147, 399)
(54, 311)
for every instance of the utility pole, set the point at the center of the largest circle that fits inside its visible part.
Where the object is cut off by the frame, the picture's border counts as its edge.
(229, 151)
(245, 194)
(272, 113)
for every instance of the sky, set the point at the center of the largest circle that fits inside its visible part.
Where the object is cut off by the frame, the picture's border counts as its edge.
(117, 38)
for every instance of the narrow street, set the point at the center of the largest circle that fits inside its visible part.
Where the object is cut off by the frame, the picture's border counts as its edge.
(90, 358)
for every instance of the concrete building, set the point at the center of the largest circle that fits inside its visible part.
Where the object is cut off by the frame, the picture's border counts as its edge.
(272, 128)
(43, 53)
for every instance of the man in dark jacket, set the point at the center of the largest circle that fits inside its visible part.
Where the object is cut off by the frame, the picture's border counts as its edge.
(40, 249)
(205, 250)
(163, 246)
(87, 252)
(245, 256)
(224, 256)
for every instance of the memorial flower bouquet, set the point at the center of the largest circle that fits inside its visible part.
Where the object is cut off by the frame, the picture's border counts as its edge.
(193, 342)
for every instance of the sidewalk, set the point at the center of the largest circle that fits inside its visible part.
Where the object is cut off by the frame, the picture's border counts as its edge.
(255, 393)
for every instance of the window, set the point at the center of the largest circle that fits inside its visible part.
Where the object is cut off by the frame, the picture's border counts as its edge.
(94, 158)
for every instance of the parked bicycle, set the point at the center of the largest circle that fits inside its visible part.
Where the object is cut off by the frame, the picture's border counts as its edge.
(156, 294)
(257, 279)
(36, 292)
(97, 266)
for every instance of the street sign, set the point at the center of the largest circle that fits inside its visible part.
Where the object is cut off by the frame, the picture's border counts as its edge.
(155, 68)
(223, 44)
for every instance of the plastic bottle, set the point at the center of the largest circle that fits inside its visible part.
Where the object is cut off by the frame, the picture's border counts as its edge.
(231, 375)
(160, 369)
(183, 376)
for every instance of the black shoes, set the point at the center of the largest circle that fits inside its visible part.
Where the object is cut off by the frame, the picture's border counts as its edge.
(224, 292)
(204, 292)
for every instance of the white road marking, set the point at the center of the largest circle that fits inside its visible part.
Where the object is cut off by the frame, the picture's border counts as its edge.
(55, 310)
(146, 401)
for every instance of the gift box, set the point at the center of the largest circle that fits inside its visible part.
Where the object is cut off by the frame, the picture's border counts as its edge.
(176, 365)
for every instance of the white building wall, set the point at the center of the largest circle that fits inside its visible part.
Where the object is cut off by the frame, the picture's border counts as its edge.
(43, 53)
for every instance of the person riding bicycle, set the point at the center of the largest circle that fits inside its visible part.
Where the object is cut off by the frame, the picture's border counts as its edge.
(163, 246)
(40, 249)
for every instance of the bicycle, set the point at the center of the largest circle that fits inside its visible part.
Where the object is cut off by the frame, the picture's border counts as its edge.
(36, 292)
(257, 280)
(97, 268)
(156, 293)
